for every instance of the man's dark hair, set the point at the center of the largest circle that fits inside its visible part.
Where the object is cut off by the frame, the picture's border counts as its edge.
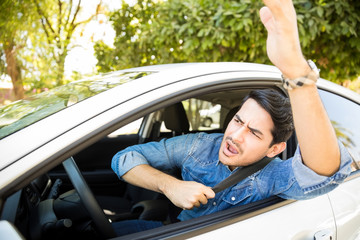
(279, 108)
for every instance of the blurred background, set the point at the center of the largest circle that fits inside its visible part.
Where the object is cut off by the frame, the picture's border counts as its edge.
(45, 44)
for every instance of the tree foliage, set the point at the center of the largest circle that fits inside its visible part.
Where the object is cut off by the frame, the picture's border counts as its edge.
(59, 19)
(129, 22)
(150, 32)
(330, 34)
(26, 58)
(15, 25)
(35, 38)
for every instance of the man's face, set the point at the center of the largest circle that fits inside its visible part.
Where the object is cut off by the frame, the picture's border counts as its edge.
(248, 136)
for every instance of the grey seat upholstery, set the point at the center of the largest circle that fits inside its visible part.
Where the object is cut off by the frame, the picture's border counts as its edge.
(176, 120)
(137, 198)
(229, 116)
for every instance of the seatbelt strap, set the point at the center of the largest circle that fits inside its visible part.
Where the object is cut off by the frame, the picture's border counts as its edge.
(241, 174)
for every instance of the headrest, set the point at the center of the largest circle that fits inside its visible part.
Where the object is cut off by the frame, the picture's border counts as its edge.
(175, 118)
(229, 116)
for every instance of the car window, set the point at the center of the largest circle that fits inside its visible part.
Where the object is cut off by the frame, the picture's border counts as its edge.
(131, 128)
(202, 115)
(344, 115)
(20, 114)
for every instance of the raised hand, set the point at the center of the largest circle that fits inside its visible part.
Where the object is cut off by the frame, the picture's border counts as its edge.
(283, 45)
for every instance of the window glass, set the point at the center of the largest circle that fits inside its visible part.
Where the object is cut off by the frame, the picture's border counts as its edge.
(163, 128)
(20, 114)
(131, 128)
(344, 116)
(202, 115)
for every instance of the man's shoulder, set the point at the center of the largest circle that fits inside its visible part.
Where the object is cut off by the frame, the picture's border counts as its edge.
(208, 136)
(204, 148)
(206, 141)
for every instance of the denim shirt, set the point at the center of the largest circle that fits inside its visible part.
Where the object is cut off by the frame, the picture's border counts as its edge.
(196, 155)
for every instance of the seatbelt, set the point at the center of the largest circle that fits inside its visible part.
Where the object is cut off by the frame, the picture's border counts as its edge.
(241, 174)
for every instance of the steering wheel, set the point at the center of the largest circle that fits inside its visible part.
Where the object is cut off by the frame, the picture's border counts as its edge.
(87, 198)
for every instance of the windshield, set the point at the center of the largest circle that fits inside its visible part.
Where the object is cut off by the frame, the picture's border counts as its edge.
(20, 114)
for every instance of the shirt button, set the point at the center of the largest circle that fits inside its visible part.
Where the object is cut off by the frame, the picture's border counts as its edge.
(214, 203)
(232, 198)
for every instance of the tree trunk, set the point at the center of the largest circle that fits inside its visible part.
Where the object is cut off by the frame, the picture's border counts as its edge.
(61, 68)
(13, 70)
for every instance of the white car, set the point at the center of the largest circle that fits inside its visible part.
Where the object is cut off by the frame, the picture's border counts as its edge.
(83, 124)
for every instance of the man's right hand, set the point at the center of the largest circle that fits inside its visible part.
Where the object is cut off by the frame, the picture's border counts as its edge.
(183, 194)
(187, 194)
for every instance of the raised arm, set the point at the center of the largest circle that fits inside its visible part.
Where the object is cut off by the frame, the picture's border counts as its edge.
(316, 136)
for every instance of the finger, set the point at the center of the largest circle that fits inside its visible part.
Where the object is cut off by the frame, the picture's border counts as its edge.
(209, 193)
(271, 4)
(192, 205)
(188, 207)
(203, 200)
(194, 202)
(278, 7)
(267, 18)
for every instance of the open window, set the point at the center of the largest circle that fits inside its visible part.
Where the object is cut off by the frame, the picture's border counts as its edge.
(121, 201)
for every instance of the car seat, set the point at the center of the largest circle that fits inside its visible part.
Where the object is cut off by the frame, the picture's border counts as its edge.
(138, 202)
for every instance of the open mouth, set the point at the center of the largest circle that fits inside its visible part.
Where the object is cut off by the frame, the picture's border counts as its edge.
(230, 149)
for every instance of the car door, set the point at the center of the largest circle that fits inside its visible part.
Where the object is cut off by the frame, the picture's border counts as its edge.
(345, 116)
(335, 215)
(286, 220)
(95, 161)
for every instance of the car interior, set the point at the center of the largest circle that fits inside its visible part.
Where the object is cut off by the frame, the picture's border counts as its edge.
(119, 200)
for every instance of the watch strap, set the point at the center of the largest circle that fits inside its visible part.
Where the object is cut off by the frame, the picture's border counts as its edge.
(310, 79)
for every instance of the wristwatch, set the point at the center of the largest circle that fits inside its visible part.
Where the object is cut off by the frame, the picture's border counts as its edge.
(310, 79)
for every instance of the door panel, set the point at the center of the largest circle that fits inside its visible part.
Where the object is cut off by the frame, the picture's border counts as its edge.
(346, 204)
(298, 220)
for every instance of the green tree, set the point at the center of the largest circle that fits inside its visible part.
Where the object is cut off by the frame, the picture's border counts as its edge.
(15, 27)
(35, 37)
(205, 30)
(59, 20)
(131, 50)
(208, 31)
(329, 33)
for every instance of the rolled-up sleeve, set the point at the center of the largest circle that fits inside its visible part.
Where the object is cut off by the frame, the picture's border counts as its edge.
(310, 181)
(124, 161)
(166, 155)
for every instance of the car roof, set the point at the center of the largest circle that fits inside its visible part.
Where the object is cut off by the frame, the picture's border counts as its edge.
(208, 67)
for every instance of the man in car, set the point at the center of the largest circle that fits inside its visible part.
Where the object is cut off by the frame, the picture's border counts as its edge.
(259, 129)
